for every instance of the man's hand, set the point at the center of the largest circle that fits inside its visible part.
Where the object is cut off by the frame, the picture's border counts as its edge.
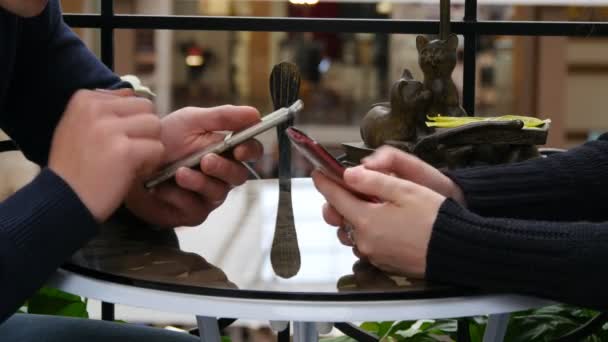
(189, 199)
(104, 141)
(393, 235)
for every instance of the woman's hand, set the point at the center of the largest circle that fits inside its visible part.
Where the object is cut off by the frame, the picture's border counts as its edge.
(407, 166)
(393, 235)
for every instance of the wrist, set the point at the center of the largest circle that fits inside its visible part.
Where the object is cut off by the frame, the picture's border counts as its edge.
(73, 185)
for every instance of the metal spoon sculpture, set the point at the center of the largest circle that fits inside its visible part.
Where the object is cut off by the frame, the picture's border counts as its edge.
(285, 253)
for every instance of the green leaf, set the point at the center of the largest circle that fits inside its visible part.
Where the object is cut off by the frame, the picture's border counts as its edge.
(476, 329)
(226, 339)
(444, 326)
(55, 293)
(49, 301)
(384, 327)
(545, 323)
(398, 326)
(372, 327)
(418, 328)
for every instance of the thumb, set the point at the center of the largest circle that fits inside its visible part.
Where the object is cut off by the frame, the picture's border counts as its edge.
(377, 184)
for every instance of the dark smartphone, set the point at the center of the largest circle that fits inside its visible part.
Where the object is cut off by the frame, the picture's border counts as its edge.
(322, 160)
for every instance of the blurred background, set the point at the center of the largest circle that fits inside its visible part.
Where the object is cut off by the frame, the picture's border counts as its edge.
(563, 79)
(560, 78)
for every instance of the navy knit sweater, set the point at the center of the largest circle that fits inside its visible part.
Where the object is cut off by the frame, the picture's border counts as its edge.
(539, 227)
(42, 63)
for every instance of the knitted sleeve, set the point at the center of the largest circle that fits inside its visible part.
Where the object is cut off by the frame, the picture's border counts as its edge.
(568, 186)
(567, 262)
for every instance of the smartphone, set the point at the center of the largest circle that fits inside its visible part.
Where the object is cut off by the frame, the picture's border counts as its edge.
(322, 160)
(193, 161)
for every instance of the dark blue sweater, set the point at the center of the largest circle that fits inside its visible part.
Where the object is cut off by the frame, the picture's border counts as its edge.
(42, 63)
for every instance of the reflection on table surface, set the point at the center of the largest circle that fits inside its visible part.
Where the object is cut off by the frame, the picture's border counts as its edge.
(231, 250)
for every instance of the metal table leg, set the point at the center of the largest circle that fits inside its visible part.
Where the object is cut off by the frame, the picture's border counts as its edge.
(496, 328)
(208, 329)
(107, 311)
(305, 332)
(463, 334)
(285, 335)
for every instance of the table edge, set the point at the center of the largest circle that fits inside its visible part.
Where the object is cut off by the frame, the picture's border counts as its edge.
(292, 310)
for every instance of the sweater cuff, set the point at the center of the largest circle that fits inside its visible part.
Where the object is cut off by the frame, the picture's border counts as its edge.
(496, 191)
(47, 215)
(496, 254)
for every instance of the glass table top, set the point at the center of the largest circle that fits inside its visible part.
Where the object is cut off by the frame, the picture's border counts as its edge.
(229, 254)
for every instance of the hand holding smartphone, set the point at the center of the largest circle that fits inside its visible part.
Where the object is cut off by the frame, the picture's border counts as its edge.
(268, 121)
(323, 160)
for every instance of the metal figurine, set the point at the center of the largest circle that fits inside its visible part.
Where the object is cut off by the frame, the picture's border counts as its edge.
(401, 122)
(285, 253)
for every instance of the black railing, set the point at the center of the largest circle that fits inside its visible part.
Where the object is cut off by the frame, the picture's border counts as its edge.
(469, 27)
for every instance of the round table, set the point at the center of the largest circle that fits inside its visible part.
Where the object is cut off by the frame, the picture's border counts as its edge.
(223, 268)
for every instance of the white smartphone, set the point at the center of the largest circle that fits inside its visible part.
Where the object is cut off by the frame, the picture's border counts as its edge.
(268, 121)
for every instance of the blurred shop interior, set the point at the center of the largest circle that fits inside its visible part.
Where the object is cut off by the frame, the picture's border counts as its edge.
(564, 79)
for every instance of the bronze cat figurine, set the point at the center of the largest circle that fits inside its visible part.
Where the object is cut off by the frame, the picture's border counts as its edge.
(437, 59)
(403, 119)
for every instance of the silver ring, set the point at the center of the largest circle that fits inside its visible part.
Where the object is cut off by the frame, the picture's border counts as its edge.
(348, 228)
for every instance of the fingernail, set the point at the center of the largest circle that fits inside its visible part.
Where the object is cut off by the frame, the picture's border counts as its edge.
(353, 174)
(184, 172)
(211, 162)
(370, 159)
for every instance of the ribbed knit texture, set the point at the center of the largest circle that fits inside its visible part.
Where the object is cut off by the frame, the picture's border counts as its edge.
(41, 226)
(569, 186)
(544, 229)
(42, 63)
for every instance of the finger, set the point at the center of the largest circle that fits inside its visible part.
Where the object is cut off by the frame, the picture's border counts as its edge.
(147, 154)
(122, 92)
(226, 170)
(208, 187)
(250, 150)
(358, 254)
(125, 106)
(187, 203)
(331, 216)
(141, 126)
(387, 158)
(349, 206)
(378, 184)
(223, 118)
(344, 238)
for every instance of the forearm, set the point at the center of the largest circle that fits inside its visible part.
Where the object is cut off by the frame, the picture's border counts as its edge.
(569, 186)
(561, 261)
(41, 226)
(40, 91)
